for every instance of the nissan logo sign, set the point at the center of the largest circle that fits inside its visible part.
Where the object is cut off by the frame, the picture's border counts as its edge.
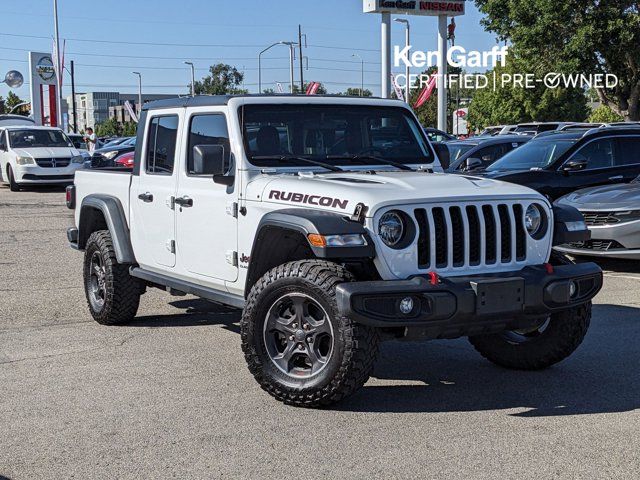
(44, 69)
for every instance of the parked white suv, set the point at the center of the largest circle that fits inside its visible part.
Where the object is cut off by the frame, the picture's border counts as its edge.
(37, 155)
(323, 219)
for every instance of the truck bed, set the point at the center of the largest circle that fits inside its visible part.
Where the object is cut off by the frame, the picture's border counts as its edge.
(109, 182)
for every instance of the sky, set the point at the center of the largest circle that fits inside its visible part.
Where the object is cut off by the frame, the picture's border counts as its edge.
(109, 39)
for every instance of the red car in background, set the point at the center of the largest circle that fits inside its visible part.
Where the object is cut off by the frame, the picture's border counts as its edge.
(125, 160)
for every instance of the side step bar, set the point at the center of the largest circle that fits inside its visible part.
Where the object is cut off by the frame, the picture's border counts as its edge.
(224, 298)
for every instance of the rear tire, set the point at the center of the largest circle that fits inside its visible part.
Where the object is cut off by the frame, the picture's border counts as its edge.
(557, 338)
(112, 294)
(296, 344)
(13, 185)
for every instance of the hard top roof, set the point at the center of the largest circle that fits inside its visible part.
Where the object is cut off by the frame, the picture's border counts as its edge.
(221, 100)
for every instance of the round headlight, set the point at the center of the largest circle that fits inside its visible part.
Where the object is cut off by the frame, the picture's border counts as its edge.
(533, 219)
(391, 228)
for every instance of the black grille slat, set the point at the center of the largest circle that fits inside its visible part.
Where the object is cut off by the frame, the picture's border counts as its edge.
(490, 233)
(440, 228)
(599, 218)
(457, 236)
(424, 250)
(53, 162)
(505, 234)
(474, 235)
(521, 234)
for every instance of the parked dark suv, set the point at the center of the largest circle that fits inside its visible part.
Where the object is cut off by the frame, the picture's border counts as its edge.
(560, 162)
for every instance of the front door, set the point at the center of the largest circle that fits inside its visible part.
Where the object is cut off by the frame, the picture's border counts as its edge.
(206, 213)
(152, 192)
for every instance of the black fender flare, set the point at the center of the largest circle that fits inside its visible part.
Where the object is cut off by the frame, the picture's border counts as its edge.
(116, 221)
(304, 222)
(566, 218)
(319, 222)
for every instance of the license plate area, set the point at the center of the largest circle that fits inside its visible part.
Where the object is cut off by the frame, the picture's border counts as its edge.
(495, 296)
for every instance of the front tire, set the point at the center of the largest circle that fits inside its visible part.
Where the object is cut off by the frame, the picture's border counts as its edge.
(553, 340)
(13, 185)
(112, 294)
(296, 344)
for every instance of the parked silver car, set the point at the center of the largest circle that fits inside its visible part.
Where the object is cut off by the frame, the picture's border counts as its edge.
(612, 213)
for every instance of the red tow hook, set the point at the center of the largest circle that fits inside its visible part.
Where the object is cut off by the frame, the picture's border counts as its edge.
(434, 279)
(549, 268)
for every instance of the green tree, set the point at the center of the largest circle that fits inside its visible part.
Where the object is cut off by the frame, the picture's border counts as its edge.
(13, 100)
(513, 104)
(129, 129)
(576, 36)
(223, 79)
(2, 105)
(355, 92)
(108, 128)
(604, 114)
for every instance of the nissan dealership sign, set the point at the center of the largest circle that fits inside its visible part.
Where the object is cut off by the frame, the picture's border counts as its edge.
(450, 8)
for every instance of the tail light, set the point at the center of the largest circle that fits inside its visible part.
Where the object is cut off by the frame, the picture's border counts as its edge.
(71, 196)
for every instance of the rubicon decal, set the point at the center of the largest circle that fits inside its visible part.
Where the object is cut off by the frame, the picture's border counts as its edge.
(308, 199)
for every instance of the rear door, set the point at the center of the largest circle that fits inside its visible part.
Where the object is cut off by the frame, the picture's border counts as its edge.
(152, 192)
(627, 159)
(207, 224)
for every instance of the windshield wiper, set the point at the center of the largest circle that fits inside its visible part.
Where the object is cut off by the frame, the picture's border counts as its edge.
(398, 165)
(289, 158)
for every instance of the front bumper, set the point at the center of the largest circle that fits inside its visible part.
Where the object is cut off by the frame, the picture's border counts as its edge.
(35, 174)
(625, 234)
(473, 304)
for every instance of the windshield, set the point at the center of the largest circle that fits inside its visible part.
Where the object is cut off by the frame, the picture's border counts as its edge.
(456, 150)
(534, 154)
(333, 134)
(38, 138)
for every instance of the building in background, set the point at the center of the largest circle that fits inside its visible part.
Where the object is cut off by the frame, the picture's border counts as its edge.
(97, 107)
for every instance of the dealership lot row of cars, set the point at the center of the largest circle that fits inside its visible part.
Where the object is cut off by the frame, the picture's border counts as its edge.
(593, 167)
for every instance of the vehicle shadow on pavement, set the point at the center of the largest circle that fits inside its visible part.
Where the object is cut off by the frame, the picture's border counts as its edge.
(197, 312)
(602, 376)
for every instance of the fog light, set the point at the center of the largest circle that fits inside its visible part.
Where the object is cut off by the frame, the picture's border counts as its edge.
(573, 289)
(406, 305)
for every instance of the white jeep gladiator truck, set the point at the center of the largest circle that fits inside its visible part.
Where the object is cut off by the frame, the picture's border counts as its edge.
(329, 222)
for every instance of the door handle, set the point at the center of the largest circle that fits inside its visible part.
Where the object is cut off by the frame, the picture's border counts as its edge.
(184, 201)
(616, 177)
(146, 197)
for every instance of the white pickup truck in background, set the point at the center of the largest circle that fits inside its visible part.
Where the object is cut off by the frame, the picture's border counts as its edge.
(328, 221)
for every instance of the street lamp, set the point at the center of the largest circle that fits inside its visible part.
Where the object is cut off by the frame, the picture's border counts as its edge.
(361, 73)
(139, 90)
(407, 88)
(193, 78)
(291, 46)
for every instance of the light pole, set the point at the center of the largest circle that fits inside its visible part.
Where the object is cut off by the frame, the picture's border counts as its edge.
(291, 46)
(193, 78)
(139, 91)
(361, 73)
(58, 65)
(407, 88)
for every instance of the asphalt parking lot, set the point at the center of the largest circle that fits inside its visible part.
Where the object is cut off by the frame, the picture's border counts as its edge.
(170, 395)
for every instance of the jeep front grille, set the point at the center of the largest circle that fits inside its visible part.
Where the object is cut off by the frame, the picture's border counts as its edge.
(456, 236)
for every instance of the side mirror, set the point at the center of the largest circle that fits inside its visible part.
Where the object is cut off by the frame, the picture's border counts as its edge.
(575, 165)
(472, 163)
(211, 160)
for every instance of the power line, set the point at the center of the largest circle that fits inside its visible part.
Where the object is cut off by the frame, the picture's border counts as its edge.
(161, 44)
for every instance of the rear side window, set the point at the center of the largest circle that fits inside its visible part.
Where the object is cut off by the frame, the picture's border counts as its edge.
(628, 151)
(161, 144)
(597, 154)
(210, 129)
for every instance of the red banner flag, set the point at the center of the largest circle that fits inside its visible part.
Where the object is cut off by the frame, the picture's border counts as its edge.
(426, 92)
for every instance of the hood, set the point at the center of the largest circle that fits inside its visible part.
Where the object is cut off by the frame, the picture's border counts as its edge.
(607, 197)
(47, 152)
(341, 192)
